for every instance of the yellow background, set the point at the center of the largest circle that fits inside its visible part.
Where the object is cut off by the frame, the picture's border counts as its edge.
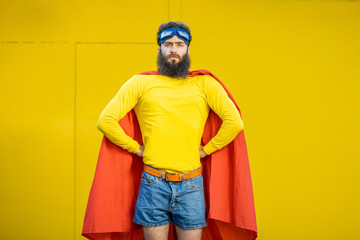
(292, 66)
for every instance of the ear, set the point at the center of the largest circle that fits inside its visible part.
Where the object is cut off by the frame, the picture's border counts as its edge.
(188, 50)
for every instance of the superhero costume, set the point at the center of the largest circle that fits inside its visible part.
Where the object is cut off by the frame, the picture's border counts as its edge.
(227, 184)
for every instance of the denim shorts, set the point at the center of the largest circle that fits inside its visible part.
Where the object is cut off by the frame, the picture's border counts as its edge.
(161, 202)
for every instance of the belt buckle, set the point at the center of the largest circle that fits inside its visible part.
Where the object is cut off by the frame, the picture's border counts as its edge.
(172, 174)
(179, 177)
(166, 176)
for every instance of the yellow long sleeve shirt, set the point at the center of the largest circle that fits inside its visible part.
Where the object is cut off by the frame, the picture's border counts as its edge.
(172, 114)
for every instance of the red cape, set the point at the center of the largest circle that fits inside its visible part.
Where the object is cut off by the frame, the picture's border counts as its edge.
(227, 184)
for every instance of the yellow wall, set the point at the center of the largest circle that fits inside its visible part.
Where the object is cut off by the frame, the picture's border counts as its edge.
(293, 67)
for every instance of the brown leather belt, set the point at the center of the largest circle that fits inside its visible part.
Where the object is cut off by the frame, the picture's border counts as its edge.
(173, 177)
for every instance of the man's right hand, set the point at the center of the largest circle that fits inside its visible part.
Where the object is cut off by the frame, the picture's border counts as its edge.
(140, 151)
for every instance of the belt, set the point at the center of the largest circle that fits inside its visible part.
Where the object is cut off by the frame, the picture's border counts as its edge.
(173, 177)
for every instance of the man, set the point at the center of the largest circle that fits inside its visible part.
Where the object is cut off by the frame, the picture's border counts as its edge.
(172, 110)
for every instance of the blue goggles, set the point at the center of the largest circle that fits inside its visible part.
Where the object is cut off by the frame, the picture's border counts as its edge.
(169, 32)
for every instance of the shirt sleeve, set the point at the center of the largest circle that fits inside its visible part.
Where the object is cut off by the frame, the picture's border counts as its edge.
(108, 123)
(219, 101)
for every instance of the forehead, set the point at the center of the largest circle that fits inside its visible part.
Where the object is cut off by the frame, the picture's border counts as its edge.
(174, 39)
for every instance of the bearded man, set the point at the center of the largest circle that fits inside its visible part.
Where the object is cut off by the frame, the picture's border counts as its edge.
(172, 107)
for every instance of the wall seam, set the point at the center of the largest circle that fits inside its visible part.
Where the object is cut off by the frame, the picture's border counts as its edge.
(140, 43)
(75, 90)
(168, 10)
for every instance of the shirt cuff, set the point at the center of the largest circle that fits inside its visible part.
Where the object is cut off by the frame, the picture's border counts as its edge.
(209, 148)
(134, 147)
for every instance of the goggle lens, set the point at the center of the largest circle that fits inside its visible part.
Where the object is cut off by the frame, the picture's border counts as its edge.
(165, 34)
(183, 34)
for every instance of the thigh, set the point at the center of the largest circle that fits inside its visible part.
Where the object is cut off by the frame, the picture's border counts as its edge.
(190, 210)
(188, 234)
(156, 233)
(152, 206)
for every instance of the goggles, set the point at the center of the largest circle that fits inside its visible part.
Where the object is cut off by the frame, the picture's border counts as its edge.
(169, 32)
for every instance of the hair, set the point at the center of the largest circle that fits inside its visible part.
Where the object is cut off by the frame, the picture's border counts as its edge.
(172, 25)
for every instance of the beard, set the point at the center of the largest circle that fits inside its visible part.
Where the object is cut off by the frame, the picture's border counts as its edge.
(172, 69)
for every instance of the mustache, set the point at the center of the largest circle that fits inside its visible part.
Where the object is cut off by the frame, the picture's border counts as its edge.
(173, 55)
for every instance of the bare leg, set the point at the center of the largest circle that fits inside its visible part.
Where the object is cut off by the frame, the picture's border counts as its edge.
(156, 233)
(189, 234)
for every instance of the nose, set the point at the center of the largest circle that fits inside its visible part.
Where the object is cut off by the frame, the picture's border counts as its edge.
(173, 49)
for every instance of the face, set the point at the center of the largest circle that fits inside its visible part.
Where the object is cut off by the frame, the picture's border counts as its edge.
(174, 49)
(173, 58)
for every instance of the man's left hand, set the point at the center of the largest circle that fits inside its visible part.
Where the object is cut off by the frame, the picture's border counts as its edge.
(201, 152)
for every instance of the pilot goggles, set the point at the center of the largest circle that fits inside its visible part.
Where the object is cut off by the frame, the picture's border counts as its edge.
(169, 32)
